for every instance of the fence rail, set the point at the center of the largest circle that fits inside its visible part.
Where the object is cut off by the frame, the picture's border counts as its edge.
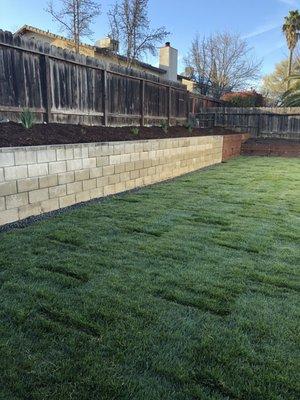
(62, 86)
(260, 121)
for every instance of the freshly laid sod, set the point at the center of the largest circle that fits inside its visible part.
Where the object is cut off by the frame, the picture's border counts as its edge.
(186, 290)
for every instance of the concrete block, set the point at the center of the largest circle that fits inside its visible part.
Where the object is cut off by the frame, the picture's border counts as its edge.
(110, 189)
(108, 170)
(48, 181)
(118, 148)
(81, 152)
(74, 164)
(96, 172)
(25, 157)
(81, 175)
(7, 188)
(82, 196)
(16, 200)
(29, 210)
(89, 184)
(2, 203)
(57, 167)
(57, 191)
(64, 154)
(135, 174)
(130, 166)
(38, 169)
(66, 177)
(25, 185)
(1, 174)
(50, 205)
(46, 155)
(67, 201)
(38, 195)
(7, 159)
(103, 181)
(8, 216)
(115, 159)
(102, 161)
(74, 187)
(17, 172)
(113, 179)
(97, 192)
(89, 162)
(120, 187)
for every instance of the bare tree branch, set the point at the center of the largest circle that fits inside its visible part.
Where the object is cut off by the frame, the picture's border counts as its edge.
(221, 63)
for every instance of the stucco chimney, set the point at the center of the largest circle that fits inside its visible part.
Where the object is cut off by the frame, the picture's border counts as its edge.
(168, 60)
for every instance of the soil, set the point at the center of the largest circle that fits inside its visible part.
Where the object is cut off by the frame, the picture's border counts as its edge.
(13, 134)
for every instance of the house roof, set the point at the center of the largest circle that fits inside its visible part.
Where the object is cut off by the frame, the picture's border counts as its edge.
(28, 28)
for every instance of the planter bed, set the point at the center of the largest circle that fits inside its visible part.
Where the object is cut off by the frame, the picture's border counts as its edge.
(13, 134)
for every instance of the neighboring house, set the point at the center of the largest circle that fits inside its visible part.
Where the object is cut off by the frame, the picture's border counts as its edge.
(106, 50)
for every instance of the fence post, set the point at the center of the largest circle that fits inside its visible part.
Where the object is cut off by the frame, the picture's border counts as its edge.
(187, 105)
(169, 105)
(47, 82)
(142, 102)
(104, 97)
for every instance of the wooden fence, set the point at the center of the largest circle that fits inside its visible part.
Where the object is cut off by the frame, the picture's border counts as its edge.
(260, 121)
(62, 86)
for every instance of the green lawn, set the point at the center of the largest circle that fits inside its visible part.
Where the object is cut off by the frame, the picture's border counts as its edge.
(186, 290)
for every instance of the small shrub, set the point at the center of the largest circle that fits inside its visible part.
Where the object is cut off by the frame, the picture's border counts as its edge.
(135, 131)
(27, 118)
(164, 126)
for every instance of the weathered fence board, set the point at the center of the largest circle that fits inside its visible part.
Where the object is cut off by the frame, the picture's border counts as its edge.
(62, 86)
(259, 121)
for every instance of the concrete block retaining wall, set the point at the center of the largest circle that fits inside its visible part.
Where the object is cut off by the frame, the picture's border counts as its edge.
(36, 180)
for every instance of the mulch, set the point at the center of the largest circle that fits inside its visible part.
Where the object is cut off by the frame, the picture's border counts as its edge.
(13, 134)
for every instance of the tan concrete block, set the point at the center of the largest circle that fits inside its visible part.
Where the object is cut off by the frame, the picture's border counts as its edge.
(103, 181)
(8, 216)
(110, 189)
(81, 152)
(74, 164)
(74, 187)
(108, 170)
(64, 154)
(147, 163)
(135, 174)
(130, 166)
(134, 156)
(138, 164)
(89, 162)
(102, 161)
(7, 159)
(118, 148)
(67, 201)
(25, 185)
(129, 148)
(89, 184)
(95, 193)
(38, 170)
(120, 187)
(82, 196)
(139, 182)
(96, 172)
(2, 203)
(7, 188)
(1, 174)
(115, 159)
(124, 158)
(119, 168)
(17, 172)
(50, 205)
(125, 176)
(113, 179)
(25, 157)
(143, 172)
(138, 147)
(46, 155)
(57, 191)
(16, 200)
(48, 181)
(82, 175)
(130, 184)
(66, 177)
(29, 210)
(57, 167)
(144, 155)
(38, 195)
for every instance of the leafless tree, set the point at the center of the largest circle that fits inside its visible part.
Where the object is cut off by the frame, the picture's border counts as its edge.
(75, 17)
(130, 25)
(221, 63)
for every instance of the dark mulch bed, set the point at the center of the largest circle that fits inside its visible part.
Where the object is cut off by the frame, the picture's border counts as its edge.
(13, 134)
(271, 147)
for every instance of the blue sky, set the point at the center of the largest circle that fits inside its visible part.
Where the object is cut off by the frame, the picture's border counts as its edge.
(259, 21)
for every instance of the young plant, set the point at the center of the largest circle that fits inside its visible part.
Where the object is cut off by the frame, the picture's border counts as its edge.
(164, 126)
(135, 131)
(27, 118)
(189, 127)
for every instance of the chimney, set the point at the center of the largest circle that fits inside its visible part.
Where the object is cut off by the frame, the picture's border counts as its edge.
(108, 43)
(168, 60)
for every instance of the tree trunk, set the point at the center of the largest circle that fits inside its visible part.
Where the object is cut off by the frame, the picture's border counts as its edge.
(290, 68)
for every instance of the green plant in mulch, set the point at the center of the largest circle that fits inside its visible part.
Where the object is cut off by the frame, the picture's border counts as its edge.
(27, 118)
(135, 131)
(164, 126)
